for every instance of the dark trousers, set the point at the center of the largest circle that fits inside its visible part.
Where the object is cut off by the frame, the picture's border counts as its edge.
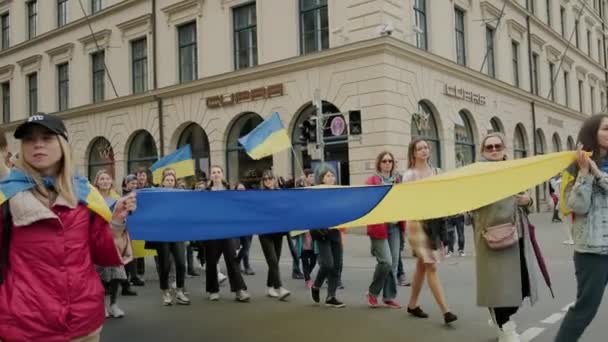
(294, 254)
(330, 260)
(456, 226)
(141, 265)
(400, 268)
(503, 315)
(591, 279)
(244, 251)
(214, 249)
(309, 260)
(190, 258)
(165, 250)
(271, 246)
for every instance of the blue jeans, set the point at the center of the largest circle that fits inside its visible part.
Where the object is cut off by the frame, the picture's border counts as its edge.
(387, 256)
(591, 279)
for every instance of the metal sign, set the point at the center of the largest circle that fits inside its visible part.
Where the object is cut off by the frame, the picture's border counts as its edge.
(337, 126)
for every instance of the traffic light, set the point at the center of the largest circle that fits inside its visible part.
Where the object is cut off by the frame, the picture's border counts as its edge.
(308, 130)
(354, 122)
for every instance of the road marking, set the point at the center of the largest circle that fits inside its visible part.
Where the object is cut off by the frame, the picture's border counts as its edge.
(530, 334)
(556, 317)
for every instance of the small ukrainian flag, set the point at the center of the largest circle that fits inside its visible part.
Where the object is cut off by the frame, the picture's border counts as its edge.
(180, 160)
(266, 139)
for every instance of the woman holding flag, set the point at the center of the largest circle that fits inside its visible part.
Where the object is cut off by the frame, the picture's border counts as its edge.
(59, 221)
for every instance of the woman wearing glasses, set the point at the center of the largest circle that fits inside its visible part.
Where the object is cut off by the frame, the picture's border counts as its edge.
(427, 249)
(385, 241)
(504, 276)
(271, 247)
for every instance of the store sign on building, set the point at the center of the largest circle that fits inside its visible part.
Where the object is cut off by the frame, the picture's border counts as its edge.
(256, 94)
(555, 122)
(463, 94)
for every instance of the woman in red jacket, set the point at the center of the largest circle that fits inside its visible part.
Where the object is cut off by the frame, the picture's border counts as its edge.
(51, 291)
(385, 239)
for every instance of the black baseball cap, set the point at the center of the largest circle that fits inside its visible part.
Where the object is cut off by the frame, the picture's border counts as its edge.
(51, 122)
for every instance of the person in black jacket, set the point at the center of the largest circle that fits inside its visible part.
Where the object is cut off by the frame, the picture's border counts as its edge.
(330, 249)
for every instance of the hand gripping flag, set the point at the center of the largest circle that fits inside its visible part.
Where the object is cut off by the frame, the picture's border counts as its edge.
(267, 138)
(180, 160)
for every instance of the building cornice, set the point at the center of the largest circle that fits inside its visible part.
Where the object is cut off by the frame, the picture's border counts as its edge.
(190, 6)
(553, 54)
(66, 48)
(35, 59)
(142, 21)
(489, 11)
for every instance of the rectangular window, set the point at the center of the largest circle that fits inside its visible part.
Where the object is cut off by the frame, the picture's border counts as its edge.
(592, 98)
(567, 88)
(530, 6)
(187, 52)
(535, 79)
(552, 80)
(589, 43)
(461, 53)
(421, 30)
(96, 6)
(139, 65)
(6, 102)
(63, 86)
(32, 86)
(32, 14)
(490, 51)
(515, 53)
(580, 96)
(99, 75)
(314, 26)
(599, 51)
(576, 34)
(62, 12)
(245, 36)
(548, 7)
(6, 36)
(602, 102)
(562, 18)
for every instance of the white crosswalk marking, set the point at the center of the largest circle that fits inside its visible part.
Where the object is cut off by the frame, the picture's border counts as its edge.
(530, 334)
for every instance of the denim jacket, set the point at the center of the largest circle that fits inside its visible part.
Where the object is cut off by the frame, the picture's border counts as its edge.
(588, 200)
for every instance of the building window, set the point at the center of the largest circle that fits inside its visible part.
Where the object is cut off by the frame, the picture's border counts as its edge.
(576, 34)
(599, 51)
(62, 12)
(465, 144)
(96, 6)
(63, 86)
(425, 126)
(592, 98)
(589, 43)
(32, 14)
(562, 18)
(580, 96)
(99, 75)
(6, 36)
(314, 26)
(515, 53)
(101, 157)
(535, 79)
(420, 17)
(461, 55)
(490, 51)
(142, 152)
(195, 136)
(602, 102)
(6, 102)
(519, 143)
(552, 81)
(548, 7)
(530, 6)
(567, 88)
(245, 37)
(139, 65)
(187, 52)
(32, 86)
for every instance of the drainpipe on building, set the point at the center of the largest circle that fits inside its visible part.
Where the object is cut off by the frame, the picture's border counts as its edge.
(159, 100)
(532, 103)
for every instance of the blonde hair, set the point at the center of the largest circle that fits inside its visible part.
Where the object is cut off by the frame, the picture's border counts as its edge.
(492, 135)
(111, 191)
(64, 183)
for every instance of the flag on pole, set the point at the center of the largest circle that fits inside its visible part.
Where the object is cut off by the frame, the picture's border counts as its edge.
(180, 160)
(267, 138)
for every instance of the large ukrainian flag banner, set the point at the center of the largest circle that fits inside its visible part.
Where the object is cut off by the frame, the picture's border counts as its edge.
(267, 138)
(180, 160)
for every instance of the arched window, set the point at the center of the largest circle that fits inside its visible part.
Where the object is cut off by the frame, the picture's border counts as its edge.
(240, 167)
(197, 138)
(496, 125)
(101, 157)
(424, 126)
(142, 152)
(571, 146)
(557, 143)
(520, 149)
(464, 141)
(540, 141)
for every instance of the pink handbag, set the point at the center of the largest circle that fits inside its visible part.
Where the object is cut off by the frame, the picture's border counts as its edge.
(502, 236)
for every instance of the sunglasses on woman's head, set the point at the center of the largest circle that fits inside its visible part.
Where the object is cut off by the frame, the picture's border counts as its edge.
(494, 147)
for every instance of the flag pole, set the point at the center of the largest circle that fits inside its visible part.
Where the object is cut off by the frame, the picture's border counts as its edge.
(297, 162)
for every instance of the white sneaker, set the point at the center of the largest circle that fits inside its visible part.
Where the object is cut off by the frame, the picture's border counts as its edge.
(214, 296)
(173, 285)
(242, 296)
(508, 333)
(221, 277)
(181, 298)
(283, 294)
(568, 242)
(462, 253)
(116, 312)
(272, 292)
(167, 299)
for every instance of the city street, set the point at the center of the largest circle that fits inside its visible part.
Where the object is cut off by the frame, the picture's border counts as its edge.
(265, 319)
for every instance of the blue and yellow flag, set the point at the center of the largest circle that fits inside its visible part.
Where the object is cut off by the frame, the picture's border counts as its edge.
(266, 139)
(568, 179)
(18, 181)
(180, 160)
